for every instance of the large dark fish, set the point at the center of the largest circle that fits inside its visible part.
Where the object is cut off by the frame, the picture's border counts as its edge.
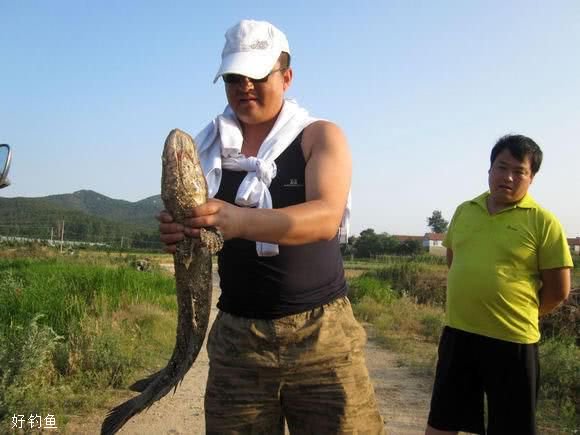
(183, 186)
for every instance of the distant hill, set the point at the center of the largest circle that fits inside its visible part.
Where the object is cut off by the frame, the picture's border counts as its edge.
(94, 204)
(87, 216)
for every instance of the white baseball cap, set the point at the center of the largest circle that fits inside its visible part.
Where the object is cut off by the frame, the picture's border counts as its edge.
(252, 49)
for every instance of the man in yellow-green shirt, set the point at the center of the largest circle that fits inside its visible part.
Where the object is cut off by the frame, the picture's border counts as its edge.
(509, 263)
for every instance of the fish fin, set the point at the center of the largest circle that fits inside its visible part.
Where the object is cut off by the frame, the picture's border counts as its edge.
(142, 384)
(184, 253)
(118, 416)
(178, 383)
(212, 239)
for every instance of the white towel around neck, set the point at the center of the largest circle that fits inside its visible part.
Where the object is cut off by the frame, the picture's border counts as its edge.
(219, 145)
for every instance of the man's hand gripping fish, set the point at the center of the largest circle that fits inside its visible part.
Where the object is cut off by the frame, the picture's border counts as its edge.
(183, 186)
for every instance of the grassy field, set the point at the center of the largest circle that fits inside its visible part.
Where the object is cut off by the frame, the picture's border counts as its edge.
(73, 328)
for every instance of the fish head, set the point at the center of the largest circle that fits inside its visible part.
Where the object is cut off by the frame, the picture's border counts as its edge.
(183, 184)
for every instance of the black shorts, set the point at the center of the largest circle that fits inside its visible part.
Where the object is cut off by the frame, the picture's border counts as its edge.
(470, 365)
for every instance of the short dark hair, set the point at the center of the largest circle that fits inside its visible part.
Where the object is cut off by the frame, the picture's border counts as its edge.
(519, 147)
(284, 60)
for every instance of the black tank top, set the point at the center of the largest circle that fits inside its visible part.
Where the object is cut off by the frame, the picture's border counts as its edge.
(299, 278)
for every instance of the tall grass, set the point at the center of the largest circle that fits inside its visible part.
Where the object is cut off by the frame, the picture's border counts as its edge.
(421, 259)
(70, 329)
(385, 260)
(370, 287)
(66, 291)
(424, 282)
(397, 321)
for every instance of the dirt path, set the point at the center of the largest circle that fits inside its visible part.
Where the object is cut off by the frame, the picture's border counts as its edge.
(403, 400)
(403, 397)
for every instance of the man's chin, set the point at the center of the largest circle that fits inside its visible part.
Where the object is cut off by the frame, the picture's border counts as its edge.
(247, 117)
(504, 198)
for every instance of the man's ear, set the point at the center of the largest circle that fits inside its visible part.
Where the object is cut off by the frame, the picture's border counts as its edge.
(288, 75)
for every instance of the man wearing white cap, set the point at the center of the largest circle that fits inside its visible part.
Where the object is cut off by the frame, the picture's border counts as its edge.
(285, 344)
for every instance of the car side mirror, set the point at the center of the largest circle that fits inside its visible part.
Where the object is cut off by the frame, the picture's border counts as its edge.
(5, 157)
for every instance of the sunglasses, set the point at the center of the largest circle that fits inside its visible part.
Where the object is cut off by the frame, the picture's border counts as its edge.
(235, 79)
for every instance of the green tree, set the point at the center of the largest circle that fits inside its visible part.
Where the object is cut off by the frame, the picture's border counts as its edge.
(388, 244)
(410, 247)
(437, 223)
(367, 243)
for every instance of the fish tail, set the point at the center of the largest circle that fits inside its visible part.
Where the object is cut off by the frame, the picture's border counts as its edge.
(119, 415)
(155, 387)
(142, 384)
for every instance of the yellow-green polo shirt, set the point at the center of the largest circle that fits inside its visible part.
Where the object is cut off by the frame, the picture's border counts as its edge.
(494, 279)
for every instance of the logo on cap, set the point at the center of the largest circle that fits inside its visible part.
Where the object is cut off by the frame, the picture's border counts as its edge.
(260, 45)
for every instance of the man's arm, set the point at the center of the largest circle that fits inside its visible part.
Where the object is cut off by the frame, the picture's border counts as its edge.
(449, 255)
(327, 178)
(555, 288)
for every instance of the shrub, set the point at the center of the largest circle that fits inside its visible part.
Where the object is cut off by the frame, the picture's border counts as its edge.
(367, 309)
(432, 326)
(564, 321)
(401, 317)
(426, 284)
(372, 287)
(431, 286)
(25, 365)
(560, 381)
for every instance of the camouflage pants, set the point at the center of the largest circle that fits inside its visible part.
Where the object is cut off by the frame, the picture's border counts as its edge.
(308, 369)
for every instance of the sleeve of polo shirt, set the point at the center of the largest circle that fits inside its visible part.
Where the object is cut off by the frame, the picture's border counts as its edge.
(448, 240)
(553, 250)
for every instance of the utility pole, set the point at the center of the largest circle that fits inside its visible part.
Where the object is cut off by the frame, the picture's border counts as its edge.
(51, 234)
(61, 235)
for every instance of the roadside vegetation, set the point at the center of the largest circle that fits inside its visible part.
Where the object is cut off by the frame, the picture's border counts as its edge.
(385, 297)
(71, 326)
(402, 301)
(77, 327)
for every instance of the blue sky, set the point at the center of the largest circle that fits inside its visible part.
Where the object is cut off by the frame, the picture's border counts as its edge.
(89, 91)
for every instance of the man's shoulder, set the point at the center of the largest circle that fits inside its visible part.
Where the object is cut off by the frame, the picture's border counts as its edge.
(468, 211)
(545, 216)
(323, 135)
(474, 203)
(321, 126)
(537, 209)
